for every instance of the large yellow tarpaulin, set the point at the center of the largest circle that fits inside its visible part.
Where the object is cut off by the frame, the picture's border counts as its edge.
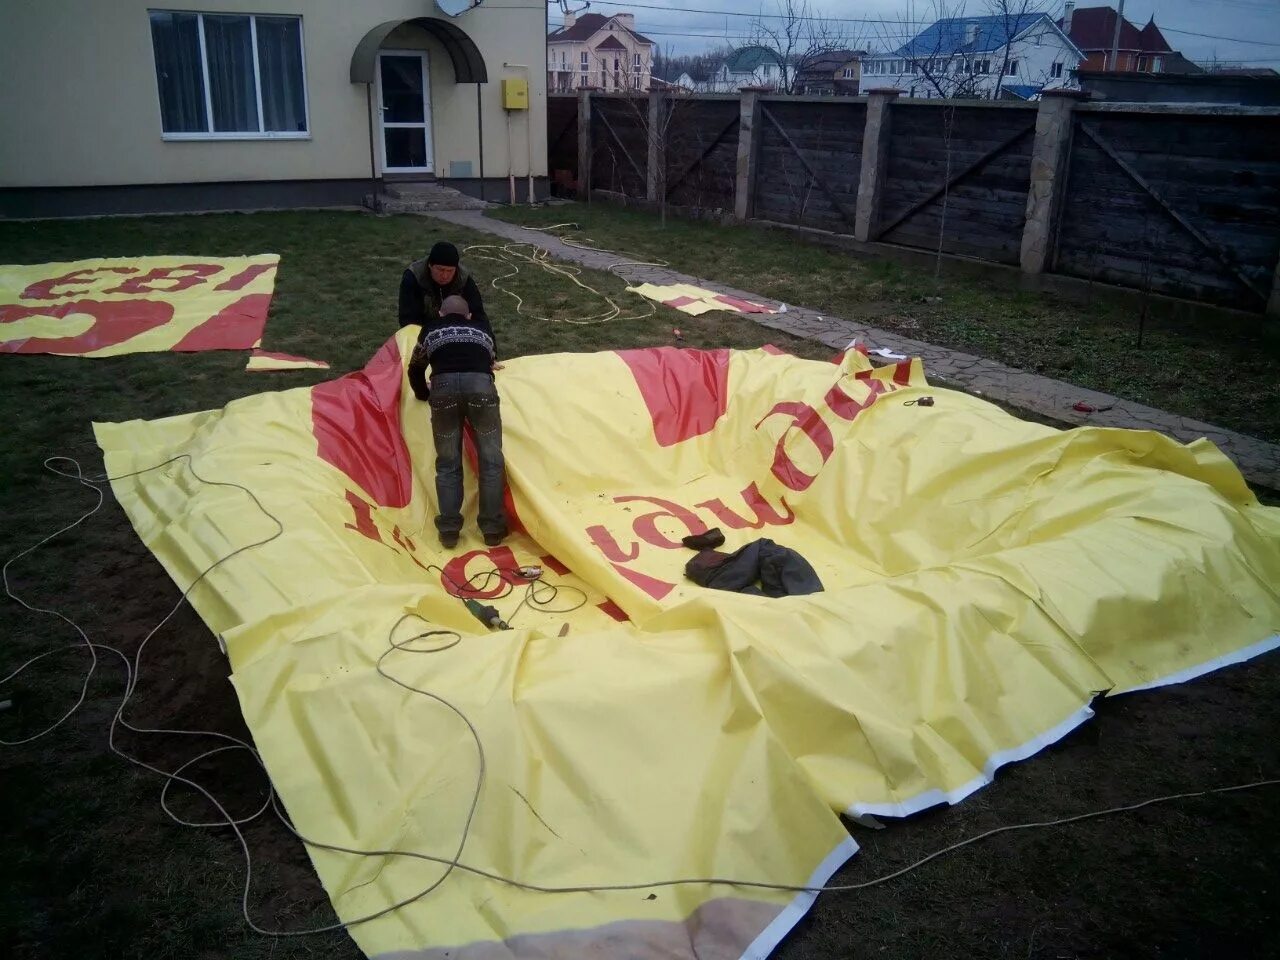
(108, 307)
(985, 579)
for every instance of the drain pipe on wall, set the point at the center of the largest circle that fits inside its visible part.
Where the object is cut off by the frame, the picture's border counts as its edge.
(480, 135)
(528, 130)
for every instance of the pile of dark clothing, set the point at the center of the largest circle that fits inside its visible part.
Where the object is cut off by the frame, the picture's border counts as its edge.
(762, 567)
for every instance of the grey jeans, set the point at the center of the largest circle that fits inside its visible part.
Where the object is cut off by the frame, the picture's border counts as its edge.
(458, 399)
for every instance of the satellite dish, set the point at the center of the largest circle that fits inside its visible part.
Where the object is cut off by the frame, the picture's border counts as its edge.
(456, 8)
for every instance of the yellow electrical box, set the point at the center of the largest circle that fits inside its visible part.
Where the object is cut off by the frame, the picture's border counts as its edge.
(515, 94)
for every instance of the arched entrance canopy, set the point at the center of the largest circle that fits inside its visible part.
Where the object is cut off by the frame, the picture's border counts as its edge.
(468, 64)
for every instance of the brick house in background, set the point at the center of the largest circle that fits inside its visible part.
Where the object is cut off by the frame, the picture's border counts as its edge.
(834, 74)
(604, 53)
(1092, 29)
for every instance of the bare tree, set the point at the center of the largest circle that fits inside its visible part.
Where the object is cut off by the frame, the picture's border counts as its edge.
(1011, 14)
(796, 37)
(937, 59)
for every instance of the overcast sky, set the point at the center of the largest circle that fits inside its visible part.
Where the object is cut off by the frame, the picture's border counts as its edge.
(671, 22)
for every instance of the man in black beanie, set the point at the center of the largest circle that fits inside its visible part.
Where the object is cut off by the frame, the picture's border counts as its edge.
(428, 281)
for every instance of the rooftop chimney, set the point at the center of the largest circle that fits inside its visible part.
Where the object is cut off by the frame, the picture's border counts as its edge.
(628, 20)
(1067, 11)
(970, 32)
(569, 19)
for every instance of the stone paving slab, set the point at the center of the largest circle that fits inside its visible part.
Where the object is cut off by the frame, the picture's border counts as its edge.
(1258, 460)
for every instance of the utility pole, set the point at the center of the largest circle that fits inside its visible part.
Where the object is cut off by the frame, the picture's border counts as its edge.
(1115, 38)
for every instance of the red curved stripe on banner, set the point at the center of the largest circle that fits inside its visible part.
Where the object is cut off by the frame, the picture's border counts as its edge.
(115, 321)
(238, 326)
(356, 422)
(686, 391)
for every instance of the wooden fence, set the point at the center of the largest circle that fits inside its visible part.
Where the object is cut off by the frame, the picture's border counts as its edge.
(1177, 200)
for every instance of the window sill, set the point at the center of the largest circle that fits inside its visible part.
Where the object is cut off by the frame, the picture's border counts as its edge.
(235, 136)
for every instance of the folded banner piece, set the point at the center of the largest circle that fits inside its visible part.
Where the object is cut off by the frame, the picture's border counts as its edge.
(263, 360)
(695, 300)
(985, 578)
(105, 308)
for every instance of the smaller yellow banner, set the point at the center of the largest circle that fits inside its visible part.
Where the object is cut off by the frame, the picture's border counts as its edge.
(105, 308)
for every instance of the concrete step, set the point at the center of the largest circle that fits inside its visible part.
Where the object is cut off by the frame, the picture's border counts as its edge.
(421, 197)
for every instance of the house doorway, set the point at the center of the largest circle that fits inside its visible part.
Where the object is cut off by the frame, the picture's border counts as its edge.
(404, 101)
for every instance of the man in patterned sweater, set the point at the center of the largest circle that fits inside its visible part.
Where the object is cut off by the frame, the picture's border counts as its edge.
(460, 350)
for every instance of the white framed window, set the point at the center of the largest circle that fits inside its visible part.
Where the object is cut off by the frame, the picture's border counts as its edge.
(229, 76)
(586, 61)
(848, 73)
(563, 60)
(1012, 68)
(1157, 64)
(1055, 72)
(982, 66)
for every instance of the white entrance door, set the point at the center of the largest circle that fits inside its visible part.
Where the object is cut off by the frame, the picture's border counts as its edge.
(404, 101)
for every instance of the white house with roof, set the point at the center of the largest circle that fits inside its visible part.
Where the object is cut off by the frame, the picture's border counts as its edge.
(601, 52)
(752, 66)
(991, 58)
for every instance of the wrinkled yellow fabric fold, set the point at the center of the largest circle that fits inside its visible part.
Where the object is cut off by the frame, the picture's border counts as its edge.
(985, 579)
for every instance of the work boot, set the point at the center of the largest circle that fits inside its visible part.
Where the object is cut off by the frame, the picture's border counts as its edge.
(448, 540)
(494, 539)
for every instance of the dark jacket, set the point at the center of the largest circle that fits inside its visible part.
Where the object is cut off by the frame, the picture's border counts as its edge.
(762, 568)
(420, 296)
(451, 344)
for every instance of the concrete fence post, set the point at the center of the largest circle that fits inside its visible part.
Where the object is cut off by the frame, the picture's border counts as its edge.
(875, 162)
(657, 148)
(584, 145)
(1049, 157)
(748, 154)
(1273, 303)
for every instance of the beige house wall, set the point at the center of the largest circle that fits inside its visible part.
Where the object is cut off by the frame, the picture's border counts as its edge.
(79, 103)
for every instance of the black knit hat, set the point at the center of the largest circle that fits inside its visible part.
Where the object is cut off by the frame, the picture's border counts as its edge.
(443, 255)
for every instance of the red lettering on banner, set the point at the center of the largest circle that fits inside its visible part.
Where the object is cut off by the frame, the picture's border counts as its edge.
(364, 519)
(454, 578)
(245, 276)
(651, 585)
(765, 514)
(43, 289)
(646, 526)
(613, 610)
(603, 541)
(847, 408)
(406, 544)
(195, 274)
(114, 322)
(810, 423)
(554, 565)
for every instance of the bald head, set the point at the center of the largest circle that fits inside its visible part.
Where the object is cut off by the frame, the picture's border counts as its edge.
(455, 304)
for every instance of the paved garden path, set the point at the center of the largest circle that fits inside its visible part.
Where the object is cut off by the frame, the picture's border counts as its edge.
(1258, 460)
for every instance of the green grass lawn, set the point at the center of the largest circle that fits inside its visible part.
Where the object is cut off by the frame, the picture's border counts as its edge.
(93, 868)
(1223, 373)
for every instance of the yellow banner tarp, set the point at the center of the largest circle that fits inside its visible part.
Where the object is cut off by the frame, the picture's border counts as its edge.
(696, 301)
(108, 307)
(985, 578)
